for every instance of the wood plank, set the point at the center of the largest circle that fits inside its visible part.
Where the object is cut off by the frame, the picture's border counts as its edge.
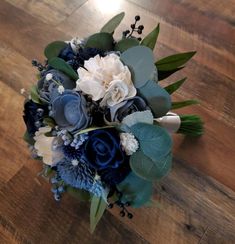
(58, 10)
(32, 35)
(24, 198)
(11, 134)
(203, 198)
(210, 28)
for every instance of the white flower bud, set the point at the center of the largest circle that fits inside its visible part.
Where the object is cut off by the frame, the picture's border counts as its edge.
(49, 76)
(129, 143)
(60, 89)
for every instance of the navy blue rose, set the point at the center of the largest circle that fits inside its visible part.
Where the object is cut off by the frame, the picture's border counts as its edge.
(70, 112)
(48, 87)
(117, 112)
(102, 149)
(112, 177)
(33, 116)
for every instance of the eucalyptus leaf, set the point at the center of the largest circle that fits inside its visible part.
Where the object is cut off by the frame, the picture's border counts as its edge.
(177, 105)
(135, 190)
(53, 49)
(156, 97)
(175, 86)
(141, 62)
(151, 39)
(35, 95)
(138, 117)
(80, 194)
(164, 74)
(125, 44)
(103, 41)
(27, 138)
(155, 142)
(148, 169)
(174, 61)
(60, 64)
(113, 23)
(98, 206)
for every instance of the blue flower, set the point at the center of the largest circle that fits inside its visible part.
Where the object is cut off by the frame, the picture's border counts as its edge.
(112, 177)
(47, 88)
(117, 112)
(33, 116)
(70, 112)
(67, 53)
(102, 149)
(82, 55)
(79, 175)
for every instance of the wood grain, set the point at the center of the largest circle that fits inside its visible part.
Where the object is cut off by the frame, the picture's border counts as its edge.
(194, 207)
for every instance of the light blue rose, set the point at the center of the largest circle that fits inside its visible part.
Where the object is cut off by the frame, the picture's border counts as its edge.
(70, 111)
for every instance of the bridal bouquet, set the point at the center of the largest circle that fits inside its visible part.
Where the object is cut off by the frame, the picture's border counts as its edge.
(99, 121)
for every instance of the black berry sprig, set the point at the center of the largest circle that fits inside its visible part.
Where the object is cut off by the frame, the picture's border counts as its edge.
(40, 66)
(123, 206)
(134, 29)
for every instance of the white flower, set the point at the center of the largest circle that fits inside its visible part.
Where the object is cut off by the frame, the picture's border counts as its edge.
(75, 44)
(46, 146)
(106, 77)
(22, 91)
(129, 143)
(74, 162)
(49, 76)
(117, 92)
(60, 89)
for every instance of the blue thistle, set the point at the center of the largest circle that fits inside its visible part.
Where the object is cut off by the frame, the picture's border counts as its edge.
(79, 175)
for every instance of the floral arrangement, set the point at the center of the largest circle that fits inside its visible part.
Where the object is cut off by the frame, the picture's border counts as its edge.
(100, 123)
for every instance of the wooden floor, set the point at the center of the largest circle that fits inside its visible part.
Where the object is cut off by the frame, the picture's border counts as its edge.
(197, 200)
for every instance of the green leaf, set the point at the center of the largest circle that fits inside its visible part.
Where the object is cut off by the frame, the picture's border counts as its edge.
(27, 138)
(49, 121)
(175, 86)
(156, 97)
(125, 44)
(60, 64)
(53, 49)
(78, 193)
(164, 74)
(103, 41)
(148, 169)
(35, 95)
(98, 206)
(141, 62)
(155, 142)
(138, 117)
(112, 24)
(151, 39)
(177, 105)
(135, 190)
(174, 61)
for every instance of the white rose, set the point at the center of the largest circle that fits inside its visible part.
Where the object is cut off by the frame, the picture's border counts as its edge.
(45, 146)
(100, 75)
(129, 143)
(117, 92)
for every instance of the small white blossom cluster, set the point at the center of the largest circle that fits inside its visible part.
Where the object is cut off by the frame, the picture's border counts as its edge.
(129, 143)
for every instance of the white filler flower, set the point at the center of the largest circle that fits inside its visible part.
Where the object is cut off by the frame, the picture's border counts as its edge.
(60, 89)
(49, 76)
(45, 146)
(129, 143)
(106, 77)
